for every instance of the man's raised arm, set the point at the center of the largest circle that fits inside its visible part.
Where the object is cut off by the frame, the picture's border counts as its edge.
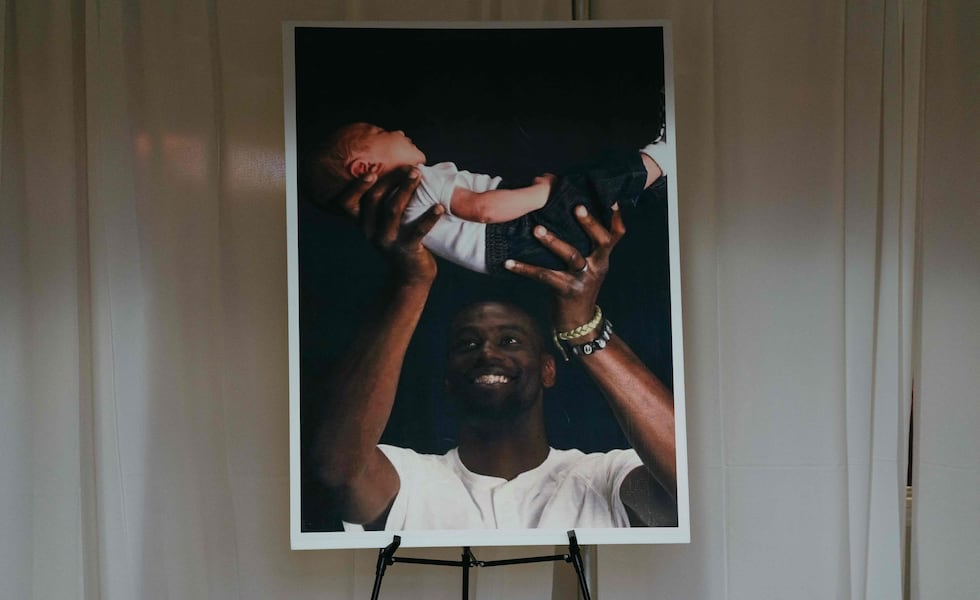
(361, 388)
(643, 406)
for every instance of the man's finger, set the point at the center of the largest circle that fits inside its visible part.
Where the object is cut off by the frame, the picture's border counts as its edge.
(421, 226)
(349, 199)
(604, 240)
(370, 202)
(572, 257)
(368, 209)
(616, 226)
(390, 217)
(599, 234)
(556, 280)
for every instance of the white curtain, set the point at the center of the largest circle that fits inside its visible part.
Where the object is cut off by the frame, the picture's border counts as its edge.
(946, 466)
(829, 216)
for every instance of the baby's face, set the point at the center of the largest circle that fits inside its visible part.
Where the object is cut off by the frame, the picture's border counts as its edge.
(390, 148)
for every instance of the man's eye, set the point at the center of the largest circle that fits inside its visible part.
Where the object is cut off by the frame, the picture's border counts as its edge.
(509, 341)
(463, 345)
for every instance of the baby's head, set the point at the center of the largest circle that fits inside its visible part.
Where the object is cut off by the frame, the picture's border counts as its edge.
(358, 149)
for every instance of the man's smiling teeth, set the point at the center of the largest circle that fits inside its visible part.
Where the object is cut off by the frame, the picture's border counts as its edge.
(492, 379)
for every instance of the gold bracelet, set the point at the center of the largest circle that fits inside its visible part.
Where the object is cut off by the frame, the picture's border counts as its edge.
(582, 329)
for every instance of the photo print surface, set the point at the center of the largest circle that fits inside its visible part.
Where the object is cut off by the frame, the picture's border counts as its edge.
(493, 107)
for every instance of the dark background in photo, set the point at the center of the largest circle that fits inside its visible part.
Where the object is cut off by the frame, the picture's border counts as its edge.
(509, 102)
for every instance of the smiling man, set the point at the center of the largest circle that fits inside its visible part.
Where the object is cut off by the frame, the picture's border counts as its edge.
(503, 474)
(497, 367)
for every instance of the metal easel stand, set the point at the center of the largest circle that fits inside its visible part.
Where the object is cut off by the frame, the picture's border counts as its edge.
(386, 556)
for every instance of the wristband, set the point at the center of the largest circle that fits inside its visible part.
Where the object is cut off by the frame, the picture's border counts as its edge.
(581, 330)
(588, 347)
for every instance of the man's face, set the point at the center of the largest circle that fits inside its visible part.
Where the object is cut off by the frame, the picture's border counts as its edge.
(496, 368)
(389, 148)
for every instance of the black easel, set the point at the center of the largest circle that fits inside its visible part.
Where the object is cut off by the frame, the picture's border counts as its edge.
(386, 556)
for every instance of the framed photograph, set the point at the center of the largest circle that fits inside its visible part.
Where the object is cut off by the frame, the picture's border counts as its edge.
(502, 104)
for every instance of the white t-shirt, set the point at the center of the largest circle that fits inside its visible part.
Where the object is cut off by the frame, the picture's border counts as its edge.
(458, 240)
(568, 490)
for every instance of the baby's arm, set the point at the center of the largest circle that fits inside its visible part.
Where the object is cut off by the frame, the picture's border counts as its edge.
(497, 206)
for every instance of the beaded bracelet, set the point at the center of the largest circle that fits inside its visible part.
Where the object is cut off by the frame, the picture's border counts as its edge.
(588, 347)
(597, 344)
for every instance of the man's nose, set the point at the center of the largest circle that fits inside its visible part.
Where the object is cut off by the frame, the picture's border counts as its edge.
(489, 350)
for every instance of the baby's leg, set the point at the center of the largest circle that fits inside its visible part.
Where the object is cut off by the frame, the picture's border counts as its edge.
(655, 159)
(653, 169)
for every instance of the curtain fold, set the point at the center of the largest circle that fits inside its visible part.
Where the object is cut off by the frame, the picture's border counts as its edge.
(826, 166)
(45, 396)
(16, 543)
(880, 145)
(946, 467)
(166, 513)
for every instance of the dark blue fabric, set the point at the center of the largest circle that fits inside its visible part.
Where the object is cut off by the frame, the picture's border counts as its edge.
(619, 177)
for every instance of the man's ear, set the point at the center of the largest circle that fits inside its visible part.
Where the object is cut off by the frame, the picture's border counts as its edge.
(359, 167)
(549, 372)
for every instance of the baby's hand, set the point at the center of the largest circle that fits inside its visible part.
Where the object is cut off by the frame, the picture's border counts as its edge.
(545, 179)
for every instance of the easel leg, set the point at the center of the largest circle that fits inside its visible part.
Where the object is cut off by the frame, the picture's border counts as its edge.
(575, 557)
(467, 561)
(384, 559)
(386, 556)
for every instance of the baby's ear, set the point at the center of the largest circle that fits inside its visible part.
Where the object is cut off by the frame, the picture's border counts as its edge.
(361, 167)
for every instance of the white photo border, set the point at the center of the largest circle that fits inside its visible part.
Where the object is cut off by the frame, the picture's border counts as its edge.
(300, 540)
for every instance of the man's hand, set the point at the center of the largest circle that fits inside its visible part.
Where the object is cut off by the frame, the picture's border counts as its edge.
(378, 204)
(576, 289)
(643, 406)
